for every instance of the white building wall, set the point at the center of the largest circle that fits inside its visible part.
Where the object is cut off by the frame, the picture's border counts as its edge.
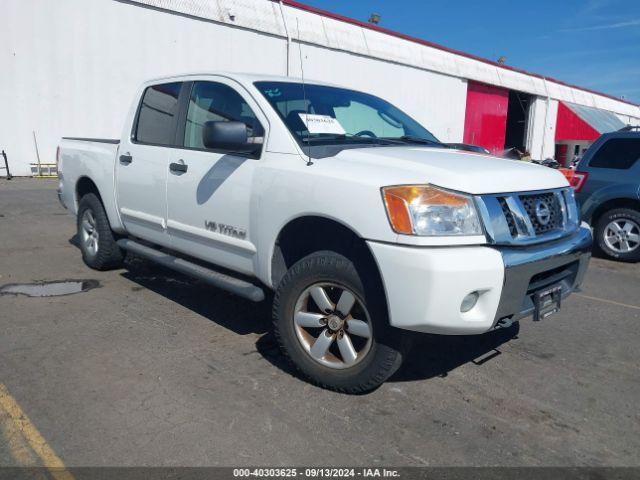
(541, 129)
(71, 67)
(627, 120)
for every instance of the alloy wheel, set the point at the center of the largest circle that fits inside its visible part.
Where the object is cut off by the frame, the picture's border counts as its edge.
(622, 235)
(89, 232)
(333, 325)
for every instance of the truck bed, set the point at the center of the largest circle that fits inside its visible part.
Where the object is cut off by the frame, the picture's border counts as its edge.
(114, 141)
(91, 160)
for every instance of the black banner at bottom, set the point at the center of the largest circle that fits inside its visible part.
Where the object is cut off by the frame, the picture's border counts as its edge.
(223, 473)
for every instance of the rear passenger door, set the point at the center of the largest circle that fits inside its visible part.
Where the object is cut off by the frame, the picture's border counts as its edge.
(142, 166)
(209, 193)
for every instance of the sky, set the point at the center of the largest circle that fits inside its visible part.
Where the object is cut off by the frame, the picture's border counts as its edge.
(589, 43)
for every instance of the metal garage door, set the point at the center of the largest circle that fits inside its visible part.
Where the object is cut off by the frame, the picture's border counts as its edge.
(486, 116)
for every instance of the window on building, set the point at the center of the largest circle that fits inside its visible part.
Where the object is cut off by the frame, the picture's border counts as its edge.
(157, 115)
(217, 102)
(618, 153)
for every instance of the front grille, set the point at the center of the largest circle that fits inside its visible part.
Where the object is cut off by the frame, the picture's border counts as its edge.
(544, 211)
(526, 218)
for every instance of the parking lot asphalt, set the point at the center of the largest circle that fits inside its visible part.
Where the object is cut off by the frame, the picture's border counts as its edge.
(152, 368)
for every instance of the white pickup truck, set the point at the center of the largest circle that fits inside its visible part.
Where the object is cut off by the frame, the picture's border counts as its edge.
(359, 220)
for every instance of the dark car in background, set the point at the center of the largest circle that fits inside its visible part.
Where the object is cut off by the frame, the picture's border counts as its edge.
(607, 186)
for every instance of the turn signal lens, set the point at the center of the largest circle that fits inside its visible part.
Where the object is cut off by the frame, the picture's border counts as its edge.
(396, 201)
(578, 180)
(428, 210)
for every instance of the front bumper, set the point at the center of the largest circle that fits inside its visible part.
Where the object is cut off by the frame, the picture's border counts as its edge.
(535, 268)
(425, 286)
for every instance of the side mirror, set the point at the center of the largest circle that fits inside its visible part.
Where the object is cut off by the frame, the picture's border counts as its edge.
(228, 137)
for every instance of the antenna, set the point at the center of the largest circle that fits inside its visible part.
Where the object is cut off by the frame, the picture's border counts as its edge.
(304, 91)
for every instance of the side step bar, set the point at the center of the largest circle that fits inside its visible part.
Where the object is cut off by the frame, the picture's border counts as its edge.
(220, 280)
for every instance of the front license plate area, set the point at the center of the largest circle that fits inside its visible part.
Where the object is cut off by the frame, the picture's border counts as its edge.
(546, 302)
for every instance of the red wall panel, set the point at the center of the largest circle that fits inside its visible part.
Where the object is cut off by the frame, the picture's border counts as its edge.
(485, 121)
(570, 126)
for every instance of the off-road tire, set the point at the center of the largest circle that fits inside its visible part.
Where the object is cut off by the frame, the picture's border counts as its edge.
(604, 220)
(388, 346)
(108, 255)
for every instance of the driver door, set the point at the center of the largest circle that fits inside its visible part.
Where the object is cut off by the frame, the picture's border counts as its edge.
(209, 194)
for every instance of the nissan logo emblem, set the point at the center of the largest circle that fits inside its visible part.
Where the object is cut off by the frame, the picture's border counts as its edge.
(543, 212)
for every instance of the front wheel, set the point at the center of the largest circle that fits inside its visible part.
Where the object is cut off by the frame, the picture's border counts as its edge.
(333, 328)
(618, 234)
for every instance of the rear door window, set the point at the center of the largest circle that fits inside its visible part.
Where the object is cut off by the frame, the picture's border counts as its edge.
(617, 153)
(157, 115)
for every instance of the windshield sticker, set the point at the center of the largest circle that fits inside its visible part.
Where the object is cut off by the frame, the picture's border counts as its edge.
(273, 92)
(322, 124)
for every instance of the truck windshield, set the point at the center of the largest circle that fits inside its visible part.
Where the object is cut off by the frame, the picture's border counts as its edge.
(323, 115)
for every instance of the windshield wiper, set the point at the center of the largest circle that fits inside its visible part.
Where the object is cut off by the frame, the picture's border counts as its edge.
(420, 140)
(365, 140)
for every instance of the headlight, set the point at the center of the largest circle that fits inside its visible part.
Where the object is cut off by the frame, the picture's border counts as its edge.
(427, 210)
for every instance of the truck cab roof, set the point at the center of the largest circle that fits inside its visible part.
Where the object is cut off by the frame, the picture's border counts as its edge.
(244, 78)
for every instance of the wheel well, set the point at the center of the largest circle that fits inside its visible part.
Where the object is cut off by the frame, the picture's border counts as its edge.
(85, 185)
(611, 204)
(306, 235)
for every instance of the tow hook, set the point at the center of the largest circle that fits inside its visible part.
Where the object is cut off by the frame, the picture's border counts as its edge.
(504, 323)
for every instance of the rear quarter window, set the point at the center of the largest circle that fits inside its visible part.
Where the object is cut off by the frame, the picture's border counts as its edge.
(157, 114)
(617, 153)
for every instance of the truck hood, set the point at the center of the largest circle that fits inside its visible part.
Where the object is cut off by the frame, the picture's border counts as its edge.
(453, 169)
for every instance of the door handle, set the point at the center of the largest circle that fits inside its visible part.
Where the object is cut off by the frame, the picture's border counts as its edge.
(126, 159)
(180, 167)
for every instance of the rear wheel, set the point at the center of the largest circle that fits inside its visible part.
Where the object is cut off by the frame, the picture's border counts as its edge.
(618, 234)
(97, 242)
(334, 329)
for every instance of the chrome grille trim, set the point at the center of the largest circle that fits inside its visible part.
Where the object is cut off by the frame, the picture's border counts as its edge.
(563, 206)
(507, 221)
(520, 215)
